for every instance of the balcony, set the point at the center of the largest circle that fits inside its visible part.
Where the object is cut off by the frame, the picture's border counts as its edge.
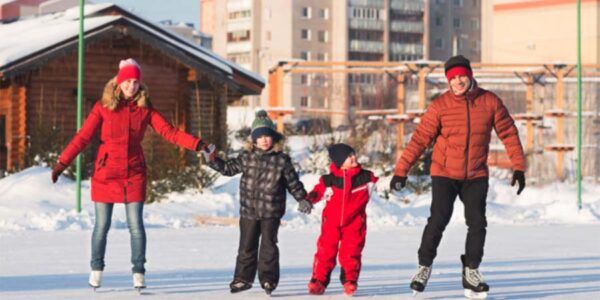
(408, 5)
(401, 48)
(367, 3)
(403, 26)
(238, 47)
(366, 46)
(366, 24)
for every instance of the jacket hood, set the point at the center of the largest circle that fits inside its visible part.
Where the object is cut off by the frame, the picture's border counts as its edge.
(110, 96)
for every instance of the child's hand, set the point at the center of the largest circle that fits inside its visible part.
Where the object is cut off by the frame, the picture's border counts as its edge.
(305, 207)
(209, 153)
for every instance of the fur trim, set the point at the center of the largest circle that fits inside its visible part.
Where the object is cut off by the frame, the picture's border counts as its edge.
(110, 96)
(277, 147)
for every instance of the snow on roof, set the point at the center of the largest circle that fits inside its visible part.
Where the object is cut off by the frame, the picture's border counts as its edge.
(28, 36)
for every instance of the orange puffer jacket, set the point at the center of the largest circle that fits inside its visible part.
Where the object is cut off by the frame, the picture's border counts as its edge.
(461, 127)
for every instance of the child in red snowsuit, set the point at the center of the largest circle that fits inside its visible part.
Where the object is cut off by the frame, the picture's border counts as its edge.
(347, 189)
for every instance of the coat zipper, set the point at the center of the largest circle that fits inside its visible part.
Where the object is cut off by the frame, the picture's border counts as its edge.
(343, 197)
(468, 136)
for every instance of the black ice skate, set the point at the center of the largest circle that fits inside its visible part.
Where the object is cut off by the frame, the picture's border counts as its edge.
(419, 280)
(268, 287)
(238, 285)
(473, 282)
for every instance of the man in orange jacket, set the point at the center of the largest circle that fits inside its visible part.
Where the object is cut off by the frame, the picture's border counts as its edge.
(459, 123)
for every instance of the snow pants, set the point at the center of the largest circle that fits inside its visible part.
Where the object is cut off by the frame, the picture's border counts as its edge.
(250, 257)
(349, 240)
(473, 194)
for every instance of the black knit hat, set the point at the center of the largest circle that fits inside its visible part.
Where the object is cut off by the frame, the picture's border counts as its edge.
(458, 60)
(338, 153)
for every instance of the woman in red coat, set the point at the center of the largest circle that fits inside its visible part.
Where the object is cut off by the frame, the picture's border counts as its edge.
(119, 176)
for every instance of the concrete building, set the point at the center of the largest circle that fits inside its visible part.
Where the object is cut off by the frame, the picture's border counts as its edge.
(454, 27)
(257, 34)
(539, 31)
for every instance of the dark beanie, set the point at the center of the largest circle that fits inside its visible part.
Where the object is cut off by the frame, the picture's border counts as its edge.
(456, 61)
(338, 153)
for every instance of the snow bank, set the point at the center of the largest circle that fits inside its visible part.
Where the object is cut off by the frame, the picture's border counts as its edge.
(29, 201)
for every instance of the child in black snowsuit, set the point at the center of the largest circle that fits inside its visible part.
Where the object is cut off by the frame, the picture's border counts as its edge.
(266, 174)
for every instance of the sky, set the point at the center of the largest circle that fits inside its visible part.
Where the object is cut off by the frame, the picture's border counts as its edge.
(159, 10)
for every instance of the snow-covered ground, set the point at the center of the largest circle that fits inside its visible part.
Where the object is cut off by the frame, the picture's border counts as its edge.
(521, 262)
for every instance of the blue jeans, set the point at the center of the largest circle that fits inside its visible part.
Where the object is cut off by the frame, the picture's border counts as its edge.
(137, 232)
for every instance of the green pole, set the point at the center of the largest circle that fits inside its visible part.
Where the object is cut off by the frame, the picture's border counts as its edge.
(79, 98)
(579, 104)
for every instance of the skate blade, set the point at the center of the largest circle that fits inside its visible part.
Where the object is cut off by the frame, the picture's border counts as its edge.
(475, 295)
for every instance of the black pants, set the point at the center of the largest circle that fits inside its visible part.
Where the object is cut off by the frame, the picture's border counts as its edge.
(250, 256)
(473, 194)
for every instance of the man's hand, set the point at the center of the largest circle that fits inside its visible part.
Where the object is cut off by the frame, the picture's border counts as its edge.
(397, 183)
(518, 176)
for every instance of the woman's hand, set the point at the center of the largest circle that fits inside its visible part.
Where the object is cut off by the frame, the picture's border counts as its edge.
(58, 169)
(209, 152)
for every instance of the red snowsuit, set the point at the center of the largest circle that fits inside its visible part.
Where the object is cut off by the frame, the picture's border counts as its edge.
(344, 221)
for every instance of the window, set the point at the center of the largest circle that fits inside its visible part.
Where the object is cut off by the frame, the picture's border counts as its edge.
(305, 55)
(305, 34)
(439, 1)
(306, 12)
(456, 22)
(475, 23)
(238, 36)
(439, 43)
(459, 44)
(324, 13)
(475, 3)
(439, 21)
(458, 3)
(304, 101)
(240, 14)
(321, 56)
(323, 36)
(304, 79)
(475, 45)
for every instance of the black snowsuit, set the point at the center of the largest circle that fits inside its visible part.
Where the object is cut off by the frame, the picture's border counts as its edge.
(265, 177)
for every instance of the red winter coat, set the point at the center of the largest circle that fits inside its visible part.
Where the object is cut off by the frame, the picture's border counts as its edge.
(461, 127)
(120, 169)
(344, 221)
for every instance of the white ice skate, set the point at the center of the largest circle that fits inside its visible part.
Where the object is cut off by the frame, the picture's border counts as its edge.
(139, 282)
(95, 280)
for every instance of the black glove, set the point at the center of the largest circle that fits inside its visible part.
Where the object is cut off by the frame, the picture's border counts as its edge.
(57, 170)
(304, 206)
(398, 183)
(518, 176)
